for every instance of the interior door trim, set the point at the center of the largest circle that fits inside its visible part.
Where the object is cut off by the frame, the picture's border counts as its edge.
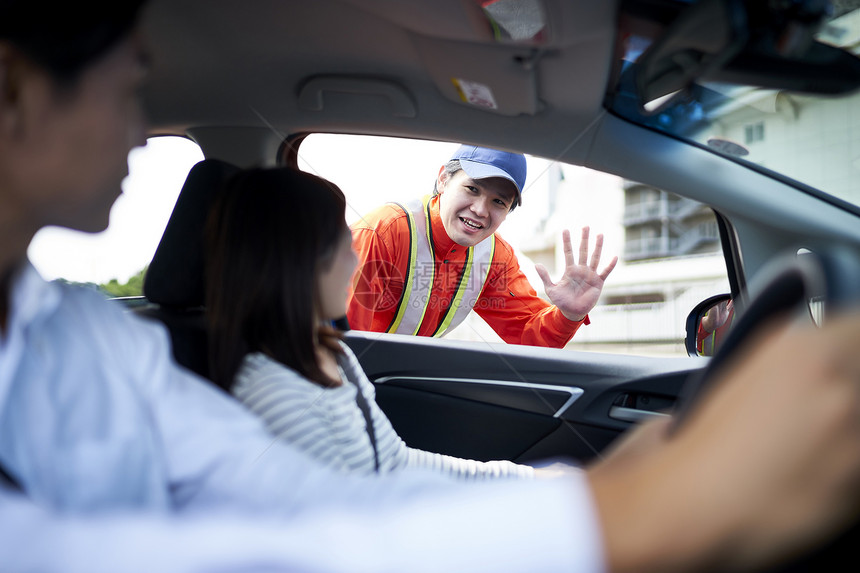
(574, 391)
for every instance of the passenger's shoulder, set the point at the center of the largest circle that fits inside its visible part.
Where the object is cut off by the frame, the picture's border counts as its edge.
(354, 370)
(257, 369)
(110, 332)
(349, 358)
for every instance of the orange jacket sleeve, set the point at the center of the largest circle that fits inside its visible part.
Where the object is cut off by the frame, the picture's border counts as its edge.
(508, 302)
(512, 308)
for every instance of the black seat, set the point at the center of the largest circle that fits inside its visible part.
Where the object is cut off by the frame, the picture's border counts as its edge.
(174, 281)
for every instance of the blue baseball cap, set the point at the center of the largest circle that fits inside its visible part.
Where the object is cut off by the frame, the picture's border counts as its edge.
(483, 162)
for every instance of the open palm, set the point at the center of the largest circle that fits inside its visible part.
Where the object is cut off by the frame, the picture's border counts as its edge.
(579, 288)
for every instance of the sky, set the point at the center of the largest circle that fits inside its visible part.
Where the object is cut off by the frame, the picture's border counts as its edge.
(137, 219)
(370, 171)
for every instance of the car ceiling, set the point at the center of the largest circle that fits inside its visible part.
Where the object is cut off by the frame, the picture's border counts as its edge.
(240, 77)
(223, 64)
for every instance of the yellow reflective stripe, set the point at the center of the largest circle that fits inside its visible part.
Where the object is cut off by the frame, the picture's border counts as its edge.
(458, 296)
(427, 225)
(410, 274)
(412, 308)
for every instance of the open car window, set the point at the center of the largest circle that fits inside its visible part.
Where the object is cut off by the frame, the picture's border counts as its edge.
(670, 255)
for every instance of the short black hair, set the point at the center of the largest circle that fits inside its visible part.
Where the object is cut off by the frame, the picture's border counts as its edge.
(64, 38)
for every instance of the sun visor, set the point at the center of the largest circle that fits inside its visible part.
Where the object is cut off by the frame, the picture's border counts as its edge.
(517, 21)
(493, 78)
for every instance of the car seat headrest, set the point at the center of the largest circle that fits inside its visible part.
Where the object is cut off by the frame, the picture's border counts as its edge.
(175, 275)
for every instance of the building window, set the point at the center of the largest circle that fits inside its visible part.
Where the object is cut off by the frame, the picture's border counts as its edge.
(754, 132)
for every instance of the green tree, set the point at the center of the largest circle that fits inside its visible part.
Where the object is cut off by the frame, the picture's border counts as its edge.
(133, 287)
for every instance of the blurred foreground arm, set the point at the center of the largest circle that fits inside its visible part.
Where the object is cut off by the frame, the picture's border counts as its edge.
(768, 462)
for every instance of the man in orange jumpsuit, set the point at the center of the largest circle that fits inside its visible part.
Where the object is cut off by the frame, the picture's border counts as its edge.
(424, 265)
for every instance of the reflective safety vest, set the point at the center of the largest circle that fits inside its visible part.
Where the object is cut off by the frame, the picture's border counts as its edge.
(418, 282)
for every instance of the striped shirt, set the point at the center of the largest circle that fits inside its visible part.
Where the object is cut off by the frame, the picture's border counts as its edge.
(328, 424)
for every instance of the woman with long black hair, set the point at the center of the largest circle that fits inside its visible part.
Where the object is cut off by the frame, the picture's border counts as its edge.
(280, 262)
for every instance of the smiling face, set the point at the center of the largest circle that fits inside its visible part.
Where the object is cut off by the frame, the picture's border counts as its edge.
(334, 281)
(472, 209)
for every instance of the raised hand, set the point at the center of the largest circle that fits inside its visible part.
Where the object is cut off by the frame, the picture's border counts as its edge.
(579, 288)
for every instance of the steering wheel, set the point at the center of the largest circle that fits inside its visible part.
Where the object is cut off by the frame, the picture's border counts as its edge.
(787, 286)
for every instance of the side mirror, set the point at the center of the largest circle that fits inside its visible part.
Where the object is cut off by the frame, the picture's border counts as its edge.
(708, 323)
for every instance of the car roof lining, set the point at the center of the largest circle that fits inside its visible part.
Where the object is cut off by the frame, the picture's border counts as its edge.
(199, 77)
(201, 87)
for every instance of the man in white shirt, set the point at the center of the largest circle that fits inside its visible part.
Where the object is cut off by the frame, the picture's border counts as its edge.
(127, 462)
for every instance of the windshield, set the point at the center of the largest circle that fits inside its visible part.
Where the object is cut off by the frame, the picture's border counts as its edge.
(812, 139)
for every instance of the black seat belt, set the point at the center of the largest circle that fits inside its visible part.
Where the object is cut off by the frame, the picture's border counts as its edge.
(371, 433)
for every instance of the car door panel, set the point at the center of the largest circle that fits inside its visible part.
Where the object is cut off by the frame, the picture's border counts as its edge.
(498, 401)
(461, 427)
